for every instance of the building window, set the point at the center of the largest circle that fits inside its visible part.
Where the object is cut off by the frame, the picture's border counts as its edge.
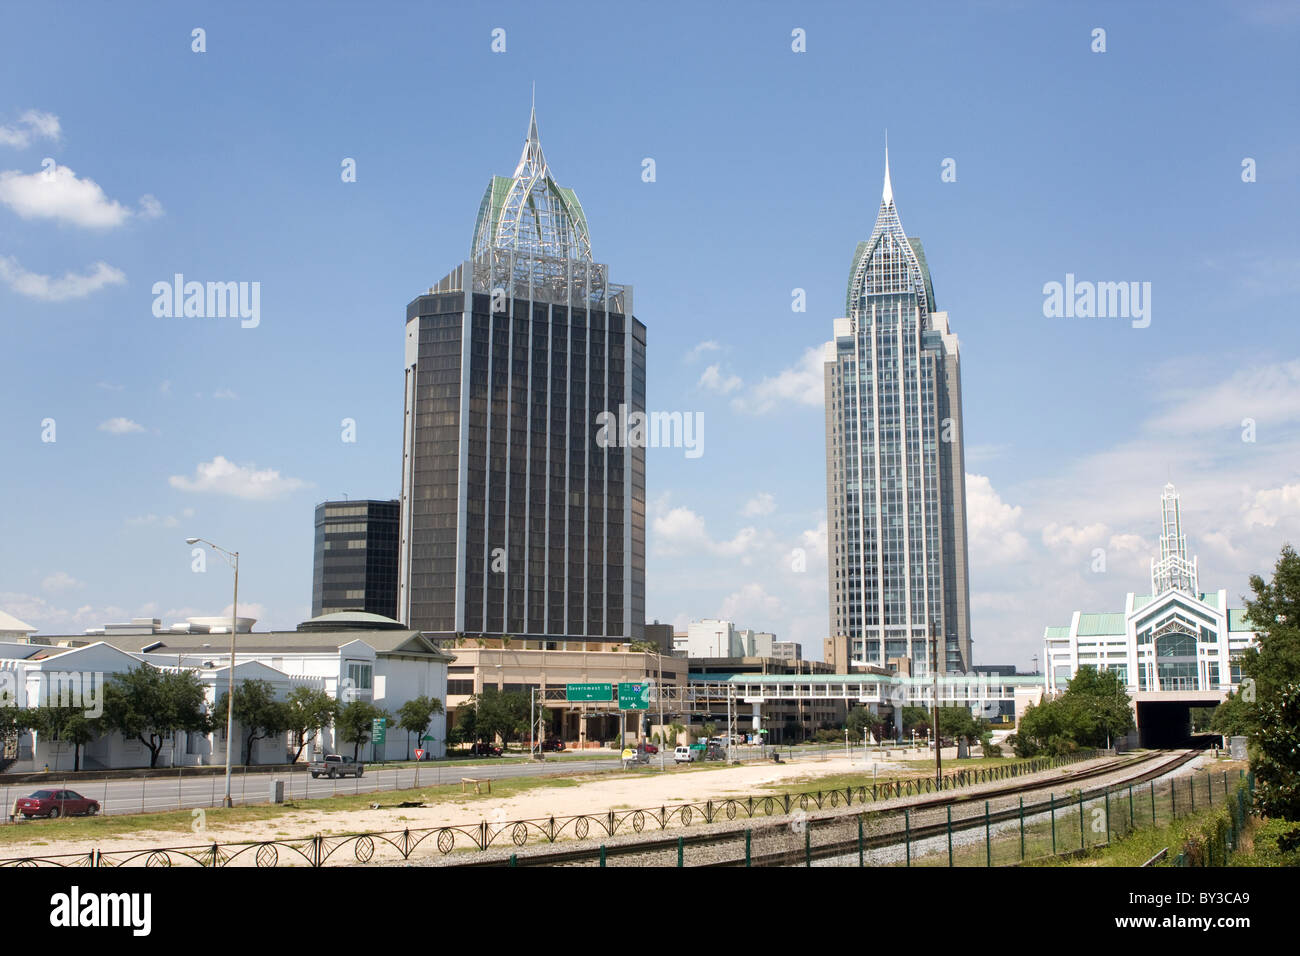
(360, 676)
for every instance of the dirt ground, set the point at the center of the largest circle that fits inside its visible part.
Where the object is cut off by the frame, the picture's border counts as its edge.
(597, 795)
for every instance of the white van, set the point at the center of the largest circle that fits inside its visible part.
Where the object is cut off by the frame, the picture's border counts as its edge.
(684, 755)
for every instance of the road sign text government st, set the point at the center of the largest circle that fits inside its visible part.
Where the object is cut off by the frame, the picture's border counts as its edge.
(601, 692)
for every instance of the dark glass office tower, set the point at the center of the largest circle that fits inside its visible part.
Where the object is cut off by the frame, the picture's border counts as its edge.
(355, 565)
(895, 467)
(516, 520)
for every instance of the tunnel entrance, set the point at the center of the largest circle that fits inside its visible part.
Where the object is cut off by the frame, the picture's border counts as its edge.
(1165, 723)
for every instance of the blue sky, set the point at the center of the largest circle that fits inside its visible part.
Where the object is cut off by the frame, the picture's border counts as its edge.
(225, 166)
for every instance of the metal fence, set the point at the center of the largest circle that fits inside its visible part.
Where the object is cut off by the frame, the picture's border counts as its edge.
(1007, 831)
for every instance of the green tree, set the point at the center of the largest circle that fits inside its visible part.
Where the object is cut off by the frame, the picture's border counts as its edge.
(466, 729)
(1092, 712)
(960, 722)
(69, 724)
(355, 723)
(259, 714)
(1236, 716)
(503, 714)
(1275, 614)
(916, 718)
(152, 704)
(415, 716)
(1276, 762)
(675, 730)
(308, 712)
(14, 720)
(857, 722)
(862, 719)
(1098, 708)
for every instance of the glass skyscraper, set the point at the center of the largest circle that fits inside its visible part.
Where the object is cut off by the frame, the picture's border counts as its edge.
(895, 472)
(355, 566)
(515, 520)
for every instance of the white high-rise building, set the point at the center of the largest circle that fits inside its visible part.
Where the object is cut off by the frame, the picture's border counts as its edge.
(895, 471)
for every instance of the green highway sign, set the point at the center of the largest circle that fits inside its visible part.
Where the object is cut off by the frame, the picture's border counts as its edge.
(603, 692)
(379, 729)
(634, 696)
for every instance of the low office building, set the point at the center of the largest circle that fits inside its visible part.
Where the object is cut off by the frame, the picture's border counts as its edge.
(1175, 648)
(716, 638)
(349, 655)
(530, 665)
(787, 650)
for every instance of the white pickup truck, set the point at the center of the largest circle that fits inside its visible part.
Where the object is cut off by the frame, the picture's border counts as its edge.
(334, 765)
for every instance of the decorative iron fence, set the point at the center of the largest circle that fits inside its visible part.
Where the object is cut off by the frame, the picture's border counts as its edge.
(393, 846)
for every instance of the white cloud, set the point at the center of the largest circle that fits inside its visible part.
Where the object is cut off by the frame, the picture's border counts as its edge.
(1272, 505)
(60, 195)
(801, 384)
(700, 349)
(1068, 537)
(715, 380)
(1268, 394)
(224, 477)
(50, 619)
(151, 519)
(246, 609)
(150, 207)
(761, 504)
(61, 581)
(120, 426)
(32, 125)
(70, 286)
(993, 535)
(224, 393)
(680, 531)
(750, 606)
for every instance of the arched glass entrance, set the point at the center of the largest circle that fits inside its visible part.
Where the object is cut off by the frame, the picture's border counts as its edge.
(1176, 661)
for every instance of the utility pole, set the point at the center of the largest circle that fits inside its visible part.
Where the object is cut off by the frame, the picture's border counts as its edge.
(934, 710)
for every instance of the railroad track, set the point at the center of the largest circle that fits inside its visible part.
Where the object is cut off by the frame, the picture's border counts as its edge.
(660, 845)
(839, 848)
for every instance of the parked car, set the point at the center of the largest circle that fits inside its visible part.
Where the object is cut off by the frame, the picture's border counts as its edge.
(650, 748)
(552, 743)
(56, 803)
(683, 755)
(335, 765)
(485, 750)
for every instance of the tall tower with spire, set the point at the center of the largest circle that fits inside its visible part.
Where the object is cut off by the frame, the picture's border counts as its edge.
(1172, 571)
(895, 465)
(515, 520)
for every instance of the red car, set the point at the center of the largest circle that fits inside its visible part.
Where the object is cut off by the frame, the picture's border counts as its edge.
(650, 748)
(56, 803)
(552, 743)
(485, 750)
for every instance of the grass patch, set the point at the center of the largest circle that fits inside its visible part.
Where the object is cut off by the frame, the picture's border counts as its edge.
(1259, 845)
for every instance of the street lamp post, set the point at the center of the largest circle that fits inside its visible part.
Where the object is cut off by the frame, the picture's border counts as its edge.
(232, 558)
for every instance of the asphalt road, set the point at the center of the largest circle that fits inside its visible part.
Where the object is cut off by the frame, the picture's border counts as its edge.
(187, 791)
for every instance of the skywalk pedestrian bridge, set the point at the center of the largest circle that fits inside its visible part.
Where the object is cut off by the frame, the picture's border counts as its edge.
(986, 694)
